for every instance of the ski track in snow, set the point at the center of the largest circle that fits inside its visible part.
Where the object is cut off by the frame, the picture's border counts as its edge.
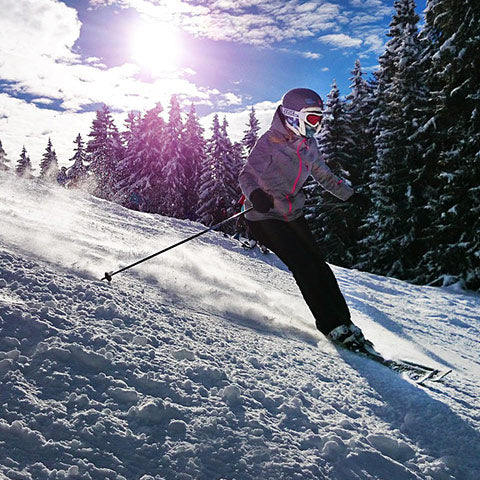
(205, 364)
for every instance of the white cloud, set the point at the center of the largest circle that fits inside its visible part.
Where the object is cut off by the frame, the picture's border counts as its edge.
(372, 68)
(375, 4)
(233, 20)
(37, 59)
(165, 10)
(307, 7)
(102, 3)
(312, 55)
(376, 43)
(30, 29)
(267, 22)
(43, 101)
(340, 40)
(231, 99)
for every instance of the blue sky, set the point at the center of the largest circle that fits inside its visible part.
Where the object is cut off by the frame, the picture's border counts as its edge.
(60, 59)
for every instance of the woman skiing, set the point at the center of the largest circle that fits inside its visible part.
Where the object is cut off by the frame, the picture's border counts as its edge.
(272, 179)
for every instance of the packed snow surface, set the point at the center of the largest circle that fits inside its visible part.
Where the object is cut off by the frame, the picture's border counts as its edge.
(204, 363)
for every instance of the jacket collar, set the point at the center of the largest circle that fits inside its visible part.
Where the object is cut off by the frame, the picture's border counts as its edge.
(277, 124)
(280, 130)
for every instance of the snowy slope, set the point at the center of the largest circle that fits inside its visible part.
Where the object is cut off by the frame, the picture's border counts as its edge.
(204, 363)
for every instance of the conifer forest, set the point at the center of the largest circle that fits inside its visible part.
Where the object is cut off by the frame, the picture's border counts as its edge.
(408, 136)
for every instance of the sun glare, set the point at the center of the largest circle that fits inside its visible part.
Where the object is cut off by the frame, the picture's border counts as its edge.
(155, 46)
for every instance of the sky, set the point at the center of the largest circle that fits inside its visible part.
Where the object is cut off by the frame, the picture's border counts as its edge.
(60, 60)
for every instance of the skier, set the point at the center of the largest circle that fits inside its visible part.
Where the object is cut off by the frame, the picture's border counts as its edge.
(62, 177)
(272, 178)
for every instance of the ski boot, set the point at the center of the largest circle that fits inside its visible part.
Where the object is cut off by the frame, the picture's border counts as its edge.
(351, 338)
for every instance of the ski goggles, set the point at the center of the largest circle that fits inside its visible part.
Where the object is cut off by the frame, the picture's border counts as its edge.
(310, 116)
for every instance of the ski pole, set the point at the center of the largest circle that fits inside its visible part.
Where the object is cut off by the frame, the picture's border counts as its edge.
(108, 275)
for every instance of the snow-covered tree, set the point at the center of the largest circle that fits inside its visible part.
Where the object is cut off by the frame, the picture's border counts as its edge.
(129, 166)
(451, 40)
(3, 159)
(131, 123)
(359, 106)
(49, 164)
(24, 165)
(104, 152)
(215, 182)
(250, 136)
(77, 173)
(328, 217)
(361, 154)
(193, 147)
(173, 172)
(238, 163)
(140, 184)
(392, 243)
(233, 164)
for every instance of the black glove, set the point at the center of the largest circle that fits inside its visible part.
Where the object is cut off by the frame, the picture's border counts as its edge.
(261, 201)
(360, 200)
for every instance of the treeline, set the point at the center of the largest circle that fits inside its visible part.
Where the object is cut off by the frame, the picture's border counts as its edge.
(409, 137)
(154, 165)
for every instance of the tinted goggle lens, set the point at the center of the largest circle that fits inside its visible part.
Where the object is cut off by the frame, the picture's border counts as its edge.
(313, 119)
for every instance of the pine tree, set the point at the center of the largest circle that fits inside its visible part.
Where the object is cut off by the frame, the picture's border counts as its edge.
(77, 173)
(131, 123)
(104, 152)
(328, 217)
(140, 184)
(451, 41)
(3, 159)
(238, 163)
(233, 160)
(359, 107)
(128, 167)
(215, 192)
(24, 165)
(250, 136)
(49, 164)
(410, 94)
(174, 167)
(193, 146)
(392, 223)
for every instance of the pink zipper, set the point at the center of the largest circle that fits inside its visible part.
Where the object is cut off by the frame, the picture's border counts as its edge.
(300, 167)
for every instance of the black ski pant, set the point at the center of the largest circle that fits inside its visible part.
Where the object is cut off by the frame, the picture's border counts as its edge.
(294, 244)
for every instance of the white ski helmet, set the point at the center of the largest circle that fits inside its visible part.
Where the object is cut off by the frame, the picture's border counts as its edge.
(302, 109)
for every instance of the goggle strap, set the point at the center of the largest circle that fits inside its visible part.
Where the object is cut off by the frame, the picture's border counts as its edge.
(290, 113)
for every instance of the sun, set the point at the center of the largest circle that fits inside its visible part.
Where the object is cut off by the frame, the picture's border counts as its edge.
(156, 47)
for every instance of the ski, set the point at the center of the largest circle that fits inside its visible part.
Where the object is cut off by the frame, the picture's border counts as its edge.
(431, 373)
(419, 373)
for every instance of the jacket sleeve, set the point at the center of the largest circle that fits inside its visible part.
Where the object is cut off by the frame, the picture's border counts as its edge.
(324, 176)
(250, 177)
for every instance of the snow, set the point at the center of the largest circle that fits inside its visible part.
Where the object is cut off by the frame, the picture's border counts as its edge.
(204, 363)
